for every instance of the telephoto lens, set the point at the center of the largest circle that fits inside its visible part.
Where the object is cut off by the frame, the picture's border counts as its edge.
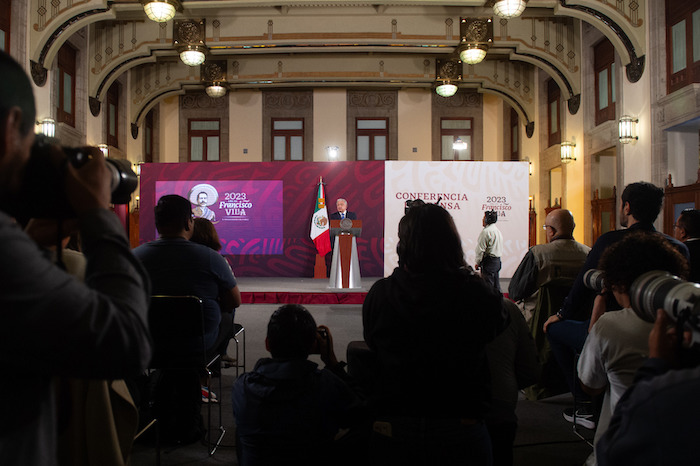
(593, 279)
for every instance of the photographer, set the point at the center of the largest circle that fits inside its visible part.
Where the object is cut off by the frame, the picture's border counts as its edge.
(287, 410)
(52, 324)
(617, 344)
(657, 421)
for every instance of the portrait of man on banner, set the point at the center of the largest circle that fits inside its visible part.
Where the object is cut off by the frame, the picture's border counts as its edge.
(202, 196)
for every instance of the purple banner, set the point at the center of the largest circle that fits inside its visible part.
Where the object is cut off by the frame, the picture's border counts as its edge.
(247, 215)
(279, 202)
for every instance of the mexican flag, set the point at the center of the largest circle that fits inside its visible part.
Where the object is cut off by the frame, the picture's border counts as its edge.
(320, 227)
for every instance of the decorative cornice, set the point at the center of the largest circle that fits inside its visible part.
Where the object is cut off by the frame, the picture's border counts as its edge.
(574, 103)
(637, 63)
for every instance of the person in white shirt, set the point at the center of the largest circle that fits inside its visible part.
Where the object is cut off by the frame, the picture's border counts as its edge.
(489, 248)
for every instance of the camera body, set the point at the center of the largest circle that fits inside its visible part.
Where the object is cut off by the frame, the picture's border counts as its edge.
(42, 193)
(321, 335)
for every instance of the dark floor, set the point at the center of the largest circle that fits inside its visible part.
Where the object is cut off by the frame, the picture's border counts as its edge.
(544, 437)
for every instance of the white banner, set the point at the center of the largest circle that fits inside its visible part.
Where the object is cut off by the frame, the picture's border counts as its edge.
(467, 190)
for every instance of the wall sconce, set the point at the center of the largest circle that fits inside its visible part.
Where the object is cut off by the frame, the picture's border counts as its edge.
(447, 74)
(567, 151)
(459, 144)
(104, 148)
(188, 38)
(530, 168)
(214, 73)
(476, 38)
(47, 127)
(332, 152)
(161, 11)
(628, 129)
(509, 8)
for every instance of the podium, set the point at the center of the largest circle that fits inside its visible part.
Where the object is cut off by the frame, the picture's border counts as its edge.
(345, 266)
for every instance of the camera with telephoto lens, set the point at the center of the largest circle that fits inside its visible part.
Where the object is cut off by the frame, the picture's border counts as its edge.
(42, 193)
(321, 334)
(661, 290)
(593, 279)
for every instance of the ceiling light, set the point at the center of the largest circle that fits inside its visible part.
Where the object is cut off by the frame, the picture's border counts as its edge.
(472, 54)
(509, 8)
(161, 11)
(459, 144)
(193, 55)
(446, 89)
(216, 90)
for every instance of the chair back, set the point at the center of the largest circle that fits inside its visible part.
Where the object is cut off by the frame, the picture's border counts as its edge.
(177, 329)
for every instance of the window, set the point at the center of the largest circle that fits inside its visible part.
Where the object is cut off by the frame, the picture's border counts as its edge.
(204, 137)
(113, 115)
(604, 66)
(287, 139)
(372, 138)
(452, 129)
(514, 135)
(66, 85)
(553, 118)
(682, 43)
(148, 138)
(5, 15)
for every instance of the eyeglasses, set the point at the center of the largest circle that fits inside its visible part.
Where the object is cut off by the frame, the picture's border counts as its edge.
(544, 227)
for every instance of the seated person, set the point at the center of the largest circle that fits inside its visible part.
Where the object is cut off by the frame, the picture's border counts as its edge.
(287, 410)
(513, 365)
(617, 344)
(205, 233)
(179, 267)
(657, 420)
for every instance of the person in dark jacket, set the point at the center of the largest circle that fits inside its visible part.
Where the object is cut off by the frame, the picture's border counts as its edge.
(287, 410)
(687, 229)
(428, 324)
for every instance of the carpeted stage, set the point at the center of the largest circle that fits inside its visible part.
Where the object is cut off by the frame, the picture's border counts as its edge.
(304, 290)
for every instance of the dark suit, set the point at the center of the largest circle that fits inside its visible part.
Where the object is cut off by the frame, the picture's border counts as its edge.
(348, 214)
(693, 246)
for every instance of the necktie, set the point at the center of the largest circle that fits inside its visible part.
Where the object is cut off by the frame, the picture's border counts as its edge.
(342, 215)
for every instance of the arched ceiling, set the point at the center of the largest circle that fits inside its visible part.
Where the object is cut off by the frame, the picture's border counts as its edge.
(287, 43)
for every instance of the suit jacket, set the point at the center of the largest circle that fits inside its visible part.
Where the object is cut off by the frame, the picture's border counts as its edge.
(348, 214)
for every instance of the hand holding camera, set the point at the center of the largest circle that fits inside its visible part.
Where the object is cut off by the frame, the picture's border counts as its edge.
(324, 346)
(88, 185)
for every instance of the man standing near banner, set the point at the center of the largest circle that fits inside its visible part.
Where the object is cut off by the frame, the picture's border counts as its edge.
(343, 212)
(489, 247)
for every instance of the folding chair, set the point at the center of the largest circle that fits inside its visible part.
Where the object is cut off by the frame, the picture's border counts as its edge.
(177, 325)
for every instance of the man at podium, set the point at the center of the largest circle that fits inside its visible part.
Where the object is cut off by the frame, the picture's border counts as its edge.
(343, 212)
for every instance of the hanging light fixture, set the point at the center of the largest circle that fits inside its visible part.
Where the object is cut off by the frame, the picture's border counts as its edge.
(161, 11)
(509, 8)
(216, 90)
(459, 144)
(628, 129)
(567, 151)
(188, 38)
(447, 74)
(476, 38)
(193, 55)
(446, 89)
(472, 54)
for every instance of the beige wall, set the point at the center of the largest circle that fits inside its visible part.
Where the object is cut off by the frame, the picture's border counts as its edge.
(414, 110)
(330, 125)
(245, 126)
(167, 132)
(493, 128)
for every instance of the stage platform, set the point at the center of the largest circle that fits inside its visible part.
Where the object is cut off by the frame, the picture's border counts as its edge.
(304, 290)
